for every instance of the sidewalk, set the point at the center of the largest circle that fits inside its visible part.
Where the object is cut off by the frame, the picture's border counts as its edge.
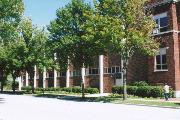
(173, 100)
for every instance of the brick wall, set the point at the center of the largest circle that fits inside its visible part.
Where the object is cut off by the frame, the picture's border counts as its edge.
(137, 68)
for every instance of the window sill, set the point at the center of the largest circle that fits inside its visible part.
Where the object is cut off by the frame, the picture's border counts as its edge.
(161, 70)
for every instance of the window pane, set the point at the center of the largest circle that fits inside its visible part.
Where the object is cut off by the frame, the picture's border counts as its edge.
(157, 23)
(163, 21)
(163, 29)
(158, 67)
(105, 70)
(158, 61)
(109, 70)
(90, 72)
(95, 71)
(113, 69)
(117, 70)
(163, 59)
(164, 66)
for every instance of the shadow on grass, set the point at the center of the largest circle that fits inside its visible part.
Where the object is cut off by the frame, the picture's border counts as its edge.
(11, 92)
(177, 104)
(79, 98)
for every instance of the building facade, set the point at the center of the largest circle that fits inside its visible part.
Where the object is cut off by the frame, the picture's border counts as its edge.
(106, 72)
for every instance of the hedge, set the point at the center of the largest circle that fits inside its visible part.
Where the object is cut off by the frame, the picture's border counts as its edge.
(27, 89)
(131, 90)
(75, 89)
(117, 89)
(91, 90)
(140, 83)
(143, 91)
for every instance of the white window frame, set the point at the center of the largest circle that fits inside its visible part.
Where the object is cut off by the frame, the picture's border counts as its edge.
(106, 70)
(59, 74)
(91, 69)
(158, 17)
(162, 51)
(75, 73)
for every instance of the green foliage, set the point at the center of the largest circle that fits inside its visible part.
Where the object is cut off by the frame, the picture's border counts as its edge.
(69, 35)
(27, 89)
(131, 90)
(10, 16)
(142, 91)
(76, 89)
(156, 92)
(91, 90)
(67, 89)
(140, 83)
(117, 89)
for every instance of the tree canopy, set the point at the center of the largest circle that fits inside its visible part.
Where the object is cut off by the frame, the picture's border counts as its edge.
(68, 34)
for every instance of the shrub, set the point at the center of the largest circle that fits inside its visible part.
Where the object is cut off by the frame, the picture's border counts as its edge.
(140, 83)
(117, 89)
(67, 89)
(171, 93)
(28, 89)
(143, 91)
(76, 89)
(131, 90)
(91, 90)
(39, 89)
(156, 92)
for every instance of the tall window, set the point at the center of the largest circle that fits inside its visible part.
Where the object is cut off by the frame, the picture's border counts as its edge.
(161, 60)
(161, 23)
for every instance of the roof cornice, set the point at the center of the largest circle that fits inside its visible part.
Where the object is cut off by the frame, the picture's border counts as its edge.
(161, 3)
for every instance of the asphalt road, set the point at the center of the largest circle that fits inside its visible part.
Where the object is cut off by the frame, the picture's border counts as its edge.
(16, 107)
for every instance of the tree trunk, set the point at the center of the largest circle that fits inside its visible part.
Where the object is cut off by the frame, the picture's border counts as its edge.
(125, 64)
(13, 85)
(2, 85)
(32, 80)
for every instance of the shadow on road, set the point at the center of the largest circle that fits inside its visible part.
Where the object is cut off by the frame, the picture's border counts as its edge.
(78, 98)
(11, 92)
(1, 100)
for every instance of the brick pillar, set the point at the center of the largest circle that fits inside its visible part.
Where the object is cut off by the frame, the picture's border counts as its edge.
(176, 50)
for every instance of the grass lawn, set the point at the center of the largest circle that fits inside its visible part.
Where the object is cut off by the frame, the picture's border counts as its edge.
(116, 99)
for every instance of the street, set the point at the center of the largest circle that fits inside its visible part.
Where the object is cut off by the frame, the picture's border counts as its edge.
(18, 107)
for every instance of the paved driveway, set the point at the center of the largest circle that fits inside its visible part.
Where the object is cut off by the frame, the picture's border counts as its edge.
(32, 108)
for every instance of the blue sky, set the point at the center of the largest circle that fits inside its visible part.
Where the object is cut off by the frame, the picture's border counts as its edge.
(43, 11)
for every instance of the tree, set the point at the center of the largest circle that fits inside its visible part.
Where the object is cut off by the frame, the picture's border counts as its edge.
(69, 36)
(10, 15)
(37, 51)
(125, 28)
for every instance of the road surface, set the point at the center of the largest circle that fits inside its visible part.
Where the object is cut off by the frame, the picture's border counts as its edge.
(17, 107)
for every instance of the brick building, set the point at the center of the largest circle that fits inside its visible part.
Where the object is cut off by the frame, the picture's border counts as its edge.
(164, 67)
